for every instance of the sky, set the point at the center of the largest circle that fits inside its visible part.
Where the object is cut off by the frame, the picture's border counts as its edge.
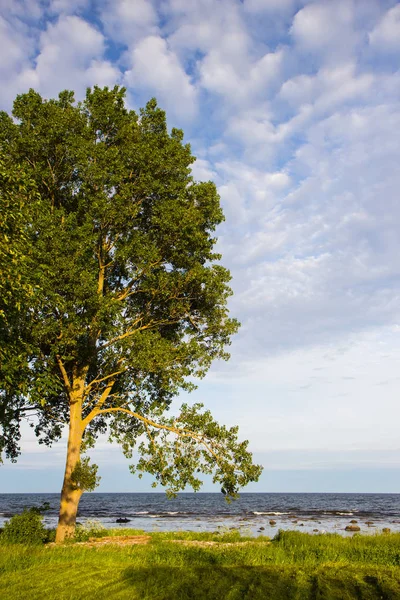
(292, 108)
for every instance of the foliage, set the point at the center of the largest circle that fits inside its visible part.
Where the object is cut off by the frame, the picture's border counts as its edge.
(91, 529)
(18, 198)
(166, 569)
(42, 508)
(17, 191)
(84, 476)
(175, 461)
(126, 301)
(26, 528)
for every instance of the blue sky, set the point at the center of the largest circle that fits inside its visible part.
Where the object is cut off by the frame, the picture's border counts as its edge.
(292, 108)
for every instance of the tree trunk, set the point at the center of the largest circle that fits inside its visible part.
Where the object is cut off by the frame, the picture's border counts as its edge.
(70, 496)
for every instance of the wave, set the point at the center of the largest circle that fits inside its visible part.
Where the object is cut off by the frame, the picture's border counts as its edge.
(341, 513)
(164, 514)
(271, 514)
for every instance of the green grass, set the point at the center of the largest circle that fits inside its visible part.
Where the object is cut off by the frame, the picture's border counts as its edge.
(293, 566)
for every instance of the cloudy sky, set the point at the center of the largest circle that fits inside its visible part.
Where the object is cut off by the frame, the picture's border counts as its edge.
(292, 108)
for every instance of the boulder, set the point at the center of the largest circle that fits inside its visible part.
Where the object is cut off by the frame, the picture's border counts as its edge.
(272, 522)
(122, 520)
(352, 528)
(353, 521)
(386, 530)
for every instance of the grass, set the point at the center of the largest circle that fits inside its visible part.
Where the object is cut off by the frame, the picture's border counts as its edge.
(294, 566)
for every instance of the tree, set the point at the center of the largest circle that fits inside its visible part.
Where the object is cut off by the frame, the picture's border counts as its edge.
(128, 302)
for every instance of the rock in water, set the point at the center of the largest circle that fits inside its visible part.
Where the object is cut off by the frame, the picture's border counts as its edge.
(352, 528)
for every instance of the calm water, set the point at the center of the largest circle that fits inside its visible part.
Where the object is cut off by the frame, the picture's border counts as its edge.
(208, 512)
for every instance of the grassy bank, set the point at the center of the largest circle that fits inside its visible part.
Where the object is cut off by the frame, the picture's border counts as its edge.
(292, 566)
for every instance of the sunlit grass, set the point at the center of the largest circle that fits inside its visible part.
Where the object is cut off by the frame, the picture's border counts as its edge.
(292, 566)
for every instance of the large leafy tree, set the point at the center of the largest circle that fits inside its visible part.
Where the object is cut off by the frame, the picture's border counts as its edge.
(125, 300)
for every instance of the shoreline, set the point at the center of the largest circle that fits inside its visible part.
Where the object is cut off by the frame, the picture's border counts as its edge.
(254, 527)
(252, 513)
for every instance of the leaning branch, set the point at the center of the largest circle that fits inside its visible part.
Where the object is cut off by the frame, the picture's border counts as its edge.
(64, 374)
(180, 432)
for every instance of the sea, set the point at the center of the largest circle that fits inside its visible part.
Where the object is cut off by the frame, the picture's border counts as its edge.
(252, 514)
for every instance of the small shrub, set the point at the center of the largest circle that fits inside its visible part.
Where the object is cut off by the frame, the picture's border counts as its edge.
(91, 528)
(26, 528)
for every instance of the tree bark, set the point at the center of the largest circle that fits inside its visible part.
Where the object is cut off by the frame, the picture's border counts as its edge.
(70, 496)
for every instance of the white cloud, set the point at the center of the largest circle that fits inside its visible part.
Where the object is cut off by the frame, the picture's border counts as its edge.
(29, 10)
(157, 70)
(247, 193)
(202, 170)
(70, 57)
(219, 49)
(330, 87)
(243, 85)
(386, 34)
(128, 21)
(15, 47)
(309, 99)
(225, 32)
(321, 260)
(326, 29)
(228, 67)
(102, 73)
(19, 44)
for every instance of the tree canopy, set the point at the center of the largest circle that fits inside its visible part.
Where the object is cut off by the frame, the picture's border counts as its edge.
(17, 197)
(115, 298)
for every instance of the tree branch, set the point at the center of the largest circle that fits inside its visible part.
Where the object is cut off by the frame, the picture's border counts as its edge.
(96, 381)
(64, 374)
(180, 432)
(128, 289)
(99, 404)
(190, 318)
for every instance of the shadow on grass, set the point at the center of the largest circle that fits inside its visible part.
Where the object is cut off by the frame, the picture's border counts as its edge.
(256, 583)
